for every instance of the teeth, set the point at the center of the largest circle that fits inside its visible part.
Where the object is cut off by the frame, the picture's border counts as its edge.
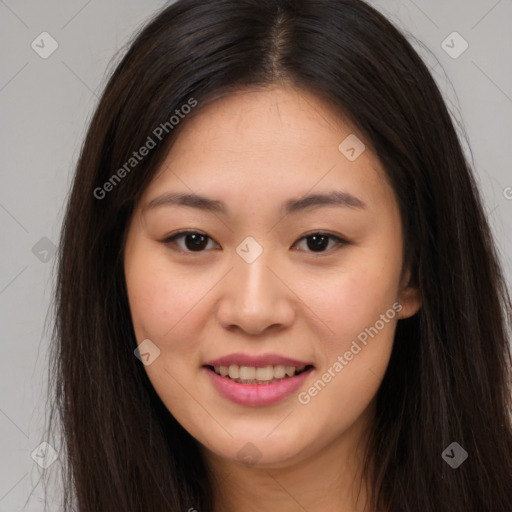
(247, 372)
(234, 371)
(252, 374)
(290, 371)
(279, 371)
(265, 373)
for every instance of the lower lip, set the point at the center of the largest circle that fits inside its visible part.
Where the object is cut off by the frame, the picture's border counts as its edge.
(257, 394)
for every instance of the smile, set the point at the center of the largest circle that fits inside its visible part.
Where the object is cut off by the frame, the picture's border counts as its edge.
(258, 374)
(257, 386)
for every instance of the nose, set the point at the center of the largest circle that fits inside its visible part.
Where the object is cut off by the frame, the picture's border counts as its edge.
(256, 298)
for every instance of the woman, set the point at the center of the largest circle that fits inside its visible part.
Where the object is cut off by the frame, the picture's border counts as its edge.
(277, 288)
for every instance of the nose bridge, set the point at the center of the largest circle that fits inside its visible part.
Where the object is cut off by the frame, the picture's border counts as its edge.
(254, 283)
(255, 298)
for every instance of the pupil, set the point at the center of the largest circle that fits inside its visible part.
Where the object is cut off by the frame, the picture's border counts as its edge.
(318, 242)
(197, 243)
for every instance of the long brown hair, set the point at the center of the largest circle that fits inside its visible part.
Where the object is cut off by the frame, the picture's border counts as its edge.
(449, 377)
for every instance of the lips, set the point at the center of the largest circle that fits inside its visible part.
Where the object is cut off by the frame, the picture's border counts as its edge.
(257, 380)
(257, 361)
(257, 394)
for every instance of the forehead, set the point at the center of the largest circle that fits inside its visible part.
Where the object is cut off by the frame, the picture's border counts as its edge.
(272, 118)
(272, 141)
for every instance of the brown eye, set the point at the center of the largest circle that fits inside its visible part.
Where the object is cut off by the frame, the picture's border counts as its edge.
(194, 241)
(319, 242)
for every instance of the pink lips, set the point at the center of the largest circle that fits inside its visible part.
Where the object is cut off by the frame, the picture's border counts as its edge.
(257, 394)
(264, 360)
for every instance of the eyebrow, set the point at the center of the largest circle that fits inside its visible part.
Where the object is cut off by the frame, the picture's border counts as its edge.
(334, 198)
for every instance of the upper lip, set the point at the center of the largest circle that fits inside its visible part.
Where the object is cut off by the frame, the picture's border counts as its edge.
(257, 361)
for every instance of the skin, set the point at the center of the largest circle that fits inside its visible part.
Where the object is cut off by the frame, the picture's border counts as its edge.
(254, 150)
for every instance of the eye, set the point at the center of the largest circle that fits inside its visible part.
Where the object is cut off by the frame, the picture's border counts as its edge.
(196, 241)
(319, 241)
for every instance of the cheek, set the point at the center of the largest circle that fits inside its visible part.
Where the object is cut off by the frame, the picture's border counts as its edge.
(166, 307)
(353, 359)
(358, 312)
(162, 299)
(346, 302)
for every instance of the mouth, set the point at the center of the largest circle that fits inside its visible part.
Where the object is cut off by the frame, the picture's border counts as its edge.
(257, 386)
(260, 375)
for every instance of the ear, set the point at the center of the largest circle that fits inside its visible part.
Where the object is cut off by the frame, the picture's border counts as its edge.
(409, 298)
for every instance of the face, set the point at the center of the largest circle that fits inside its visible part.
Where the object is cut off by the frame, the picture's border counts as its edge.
(292, 263)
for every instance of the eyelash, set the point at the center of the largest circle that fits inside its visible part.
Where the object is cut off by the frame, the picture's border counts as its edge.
(181, 234)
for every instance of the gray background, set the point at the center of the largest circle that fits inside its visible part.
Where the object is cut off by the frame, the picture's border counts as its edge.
(45, 105)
